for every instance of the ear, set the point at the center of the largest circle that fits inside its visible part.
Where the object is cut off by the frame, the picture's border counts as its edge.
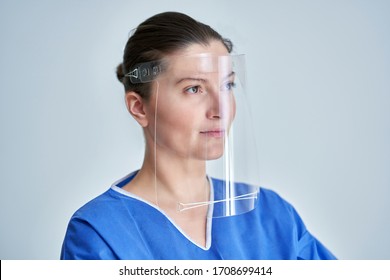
(136, 107)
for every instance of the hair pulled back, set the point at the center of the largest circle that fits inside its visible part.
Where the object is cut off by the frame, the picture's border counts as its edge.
(161, 35)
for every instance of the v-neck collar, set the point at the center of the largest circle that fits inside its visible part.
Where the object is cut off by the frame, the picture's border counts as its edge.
(118, 187)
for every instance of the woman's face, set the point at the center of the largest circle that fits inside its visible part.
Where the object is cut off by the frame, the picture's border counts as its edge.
(192, 105)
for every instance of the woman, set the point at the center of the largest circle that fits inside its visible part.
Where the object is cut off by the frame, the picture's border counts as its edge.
(179, 77)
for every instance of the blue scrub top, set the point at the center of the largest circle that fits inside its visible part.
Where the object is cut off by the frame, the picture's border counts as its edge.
(118, 225)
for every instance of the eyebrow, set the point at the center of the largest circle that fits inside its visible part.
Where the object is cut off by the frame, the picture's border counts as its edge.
(190, 79)
(202, 80)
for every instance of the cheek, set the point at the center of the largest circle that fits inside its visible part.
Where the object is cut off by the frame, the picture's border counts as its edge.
(177, 119)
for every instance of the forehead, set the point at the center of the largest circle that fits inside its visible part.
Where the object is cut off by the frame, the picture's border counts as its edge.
(198, 59)
(214, 47)
(199, 64)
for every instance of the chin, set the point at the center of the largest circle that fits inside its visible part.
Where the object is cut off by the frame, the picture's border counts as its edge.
(210, 153)
(213, 156)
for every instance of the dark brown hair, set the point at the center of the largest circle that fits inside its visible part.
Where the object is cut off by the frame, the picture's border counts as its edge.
(161, 35)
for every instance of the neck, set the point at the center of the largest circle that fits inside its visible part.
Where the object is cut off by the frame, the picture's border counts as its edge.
(174, 177)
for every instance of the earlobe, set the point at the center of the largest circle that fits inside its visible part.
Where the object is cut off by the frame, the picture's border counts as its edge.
(136, 107)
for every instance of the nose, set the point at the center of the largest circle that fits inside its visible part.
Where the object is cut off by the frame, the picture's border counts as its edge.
(213, 102)
(218, 104)
(214, 107)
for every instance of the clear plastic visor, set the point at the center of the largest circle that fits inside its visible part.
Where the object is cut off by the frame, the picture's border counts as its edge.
(200, 135)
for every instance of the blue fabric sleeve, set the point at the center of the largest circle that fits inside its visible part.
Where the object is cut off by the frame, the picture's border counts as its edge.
(308, 247)
(282, 226)
(82, 242)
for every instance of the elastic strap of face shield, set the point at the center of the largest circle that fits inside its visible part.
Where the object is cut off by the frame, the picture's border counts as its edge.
(145, 72)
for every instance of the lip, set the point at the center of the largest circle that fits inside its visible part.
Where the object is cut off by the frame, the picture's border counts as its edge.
(215, 133)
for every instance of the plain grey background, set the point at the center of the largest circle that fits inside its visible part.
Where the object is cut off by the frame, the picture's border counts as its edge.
(319, 89)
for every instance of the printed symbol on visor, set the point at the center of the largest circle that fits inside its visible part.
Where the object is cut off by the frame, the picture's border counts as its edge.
(150, 72)
(156, 70)
(144, 73)
(133, 74)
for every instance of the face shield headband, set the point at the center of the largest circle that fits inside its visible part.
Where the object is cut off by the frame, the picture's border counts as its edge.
(202, 128)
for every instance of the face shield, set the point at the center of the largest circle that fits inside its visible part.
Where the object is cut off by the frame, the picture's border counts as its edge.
(200, 132)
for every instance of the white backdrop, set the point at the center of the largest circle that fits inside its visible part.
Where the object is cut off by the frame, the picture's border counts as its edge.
(318, 83)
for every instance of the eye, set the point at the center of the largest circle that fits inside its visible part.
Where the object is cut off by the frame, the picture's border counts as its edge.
(228, 86)
(193, 90)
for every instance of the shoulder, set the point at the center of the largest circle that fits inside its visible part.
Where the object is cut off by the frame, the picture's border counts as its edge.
(111, 209)
(274, 206)
(271, 199)
(111, 200)
(96, 230)
(101, 203)
(108, 208)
